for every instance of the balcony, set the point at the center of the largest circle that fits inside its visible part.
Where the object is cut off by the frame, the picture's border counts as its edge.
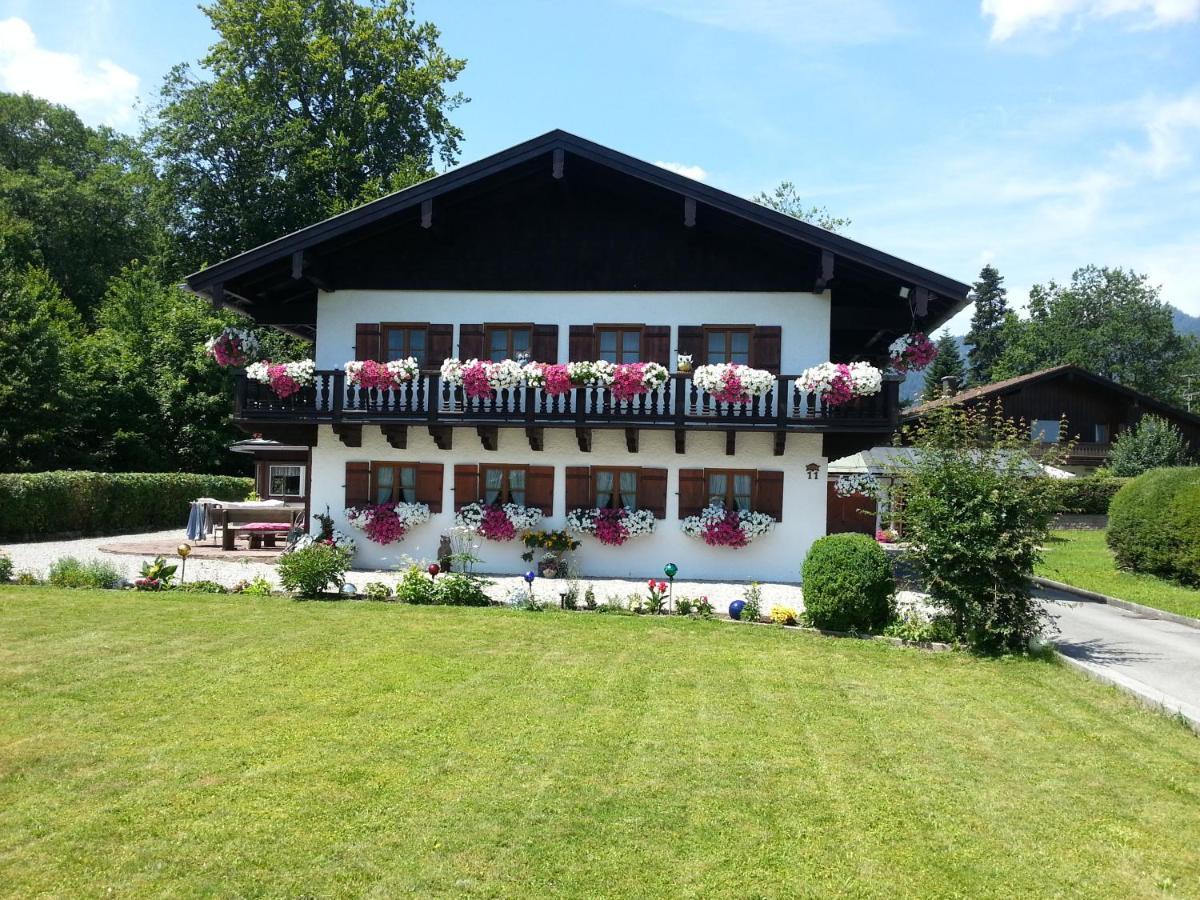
(678, 405)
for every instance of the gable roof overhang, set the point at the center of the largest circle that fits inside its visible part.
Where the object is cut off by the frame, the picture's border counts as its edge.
(876, 296)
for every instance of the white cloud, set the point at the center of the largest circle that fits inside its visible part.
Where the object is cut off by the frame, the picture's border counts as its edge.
(808, 22)
(683, 169)
(1171, 127)
(99, 90)
(1012, 16)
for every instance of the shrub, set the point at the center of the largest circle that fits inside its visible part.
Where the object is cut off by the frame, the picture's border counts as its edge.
(848, 584)
(201, 587)
(752, 611)
(311, 570)
(156, 576)
(1152, 444)
(1089, 495)
(70, 572)
(783, 615)
(1154, 524)
(258, 586)
(415, 587)
(377, 590)
(44, 503)
(26, 577)
(460, 589)
(684, 606)
(6, 568)
(912, 626)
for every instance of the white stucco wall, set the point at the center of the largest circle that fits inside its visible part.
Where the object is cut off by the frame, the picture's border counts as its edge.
(804, 318)
(774, 557)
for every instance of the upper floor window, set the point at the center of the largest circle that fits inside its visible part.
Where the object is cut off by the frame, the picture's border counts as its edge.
(1045, 430)
(504, 484)
(619, 345)
(394, 483)
(508, 341)
(732, 488)
(615, 488)
(401, 341)
(727, 345)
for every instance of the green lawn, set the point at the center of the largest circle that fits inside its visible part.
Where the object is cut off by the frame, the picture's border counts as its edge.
(1083, 559)
(189, 745)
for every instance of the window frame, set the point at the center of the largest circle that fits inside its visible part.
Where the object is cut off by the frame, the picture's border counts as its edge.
(1107, 439)
(621, 329)
(728, 331)
(271, 467)
(385, 328)
(616, 471)
(1040, 435)
(730, 497)
(397, 481)
(505, 495)
(491, 328)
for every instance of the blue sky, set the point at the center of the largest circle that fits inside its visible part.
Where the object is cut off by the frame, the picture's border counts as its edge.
(1039, 135)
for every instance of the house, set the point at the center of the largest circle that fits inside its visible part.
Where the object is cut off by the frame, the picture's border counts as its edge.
(1095, 410)
(281, 472)
(560, 249)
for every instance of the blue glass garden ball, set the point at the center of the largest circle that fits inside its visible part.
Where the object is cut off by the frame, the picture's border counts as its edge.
(735, 609)
(530, 575)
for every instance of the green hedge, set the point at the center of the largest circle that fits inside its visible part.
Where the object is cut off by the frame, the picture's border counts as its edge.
(848, 584)
(50, 503)
(1154, 524)
(1086, 495)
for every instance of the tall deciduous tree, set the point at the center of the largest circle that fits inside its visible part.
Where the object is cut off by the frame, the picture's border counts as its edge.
(785, 198)
(949, 363)
(987, 334)
(302, 108)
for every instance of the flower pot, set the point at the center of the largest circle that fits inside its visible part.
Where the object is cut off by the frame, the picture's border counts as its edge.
(549, 566)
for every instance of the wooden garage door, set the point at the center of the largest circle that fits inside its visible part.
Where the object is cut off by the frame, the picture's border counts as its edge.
(844, 515)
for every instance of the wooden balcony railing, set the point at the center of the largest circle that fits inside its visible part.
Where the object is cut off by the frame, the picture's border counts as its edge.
(677, 404)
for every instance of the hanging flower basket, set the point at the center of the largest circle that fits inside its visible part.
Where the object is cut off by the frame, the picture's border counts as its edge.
(721, 527)
(838, 383)
(285, 379)
(386, 523)
(381, 376)
(631, 379)
(732, 382)
(864, 484)
(498, 523)
(232, 347)
(553, 378)
(480, 378)
(611, 526)
(912, 353)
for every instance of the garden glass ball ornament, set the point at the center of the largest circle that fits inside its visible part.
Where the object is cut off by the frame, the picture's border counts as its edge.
(183, 550)
(433, 570)
(671, 570)
(735, 609)
(529, 576)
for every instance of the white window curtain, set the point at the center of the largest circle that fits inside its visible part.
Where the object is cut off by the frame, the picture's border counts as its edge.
(493, 481)
(604, 489)
(628, 488)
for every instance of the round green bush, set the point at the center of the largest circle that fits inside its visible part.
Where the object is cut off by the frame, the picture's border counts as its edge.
(1154, 524)
(848, 584)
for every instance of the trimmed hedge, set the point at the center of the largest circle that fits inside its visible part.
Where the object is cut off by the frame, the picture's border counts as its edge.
(1087, 495)
(848, 584)
(40, 504)
(1154, 524)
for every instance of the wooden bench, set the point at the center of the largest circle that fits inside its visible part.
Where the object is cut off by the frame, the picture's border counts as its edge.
(260, 534)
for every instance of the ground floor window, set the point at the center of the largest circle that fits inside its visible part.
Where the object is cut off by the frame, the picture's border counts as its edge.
(394, 483)
(504, 484)
(616, 488)
(733, 489)
(286, 481)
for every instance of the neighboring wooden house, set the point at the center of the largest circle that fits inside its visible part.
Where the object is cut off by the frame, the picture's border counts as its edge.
(1096, 410)
(566, 250)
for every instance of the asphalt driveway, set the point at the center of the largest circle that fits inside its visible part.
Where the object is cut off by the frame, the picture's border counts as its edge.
(1156, 659)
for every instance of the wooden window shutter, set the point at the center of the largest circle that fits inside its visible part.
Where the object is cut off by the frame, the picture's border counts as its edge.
(656, 344)
(539, 488)
(581, 343)
(544, 346)
(692, 492)
(691, 342)
(358, 484)
(470, 342)
(466, 485)
(768, 494)
(765, 348)
(429, 485)
(439, 345)
(366, 341)
(579, 488)
(652, 491)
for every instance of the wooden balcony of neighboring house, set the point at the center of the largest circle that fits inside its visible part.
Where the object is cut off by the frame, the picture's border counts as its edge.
(678, 405)
(1090, 451)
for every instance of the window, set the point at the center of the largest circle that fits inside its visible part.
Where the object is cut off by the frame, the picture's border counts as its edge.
(286, 481)
(508, 342)
(504, 484)
(394, 483)
(1045, 430)
(734, 489)
(615, 488)
(400, 341)
(1101, 434)
(727, 345)
(620, 345)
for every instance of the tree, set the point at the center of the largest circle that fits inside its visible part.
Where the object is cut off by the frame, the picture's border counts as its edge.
(947, 363)
(1151, 444)
(303, 109)
(987, 334)
(1108, 321)
(786, 199)
(73, 200)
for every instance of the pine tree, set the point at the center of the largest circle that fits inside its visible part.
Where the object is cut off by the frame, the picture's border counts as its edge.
(986, 337)
(949, 361)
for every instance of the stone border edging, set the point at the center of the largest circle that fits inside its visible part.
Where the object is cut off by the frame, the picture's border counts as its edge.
(933, 646)
(1147, 697)
(1148, 611)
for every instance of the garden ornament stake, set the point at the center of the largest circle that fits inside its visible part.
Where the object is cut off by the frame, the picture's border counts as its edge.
(671, 570)
(183, 550)
(433, 570)
(529, 576)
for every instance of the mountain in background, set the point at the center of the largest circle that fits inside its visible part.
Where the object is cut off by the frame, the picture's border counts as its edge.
(1186, 324)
